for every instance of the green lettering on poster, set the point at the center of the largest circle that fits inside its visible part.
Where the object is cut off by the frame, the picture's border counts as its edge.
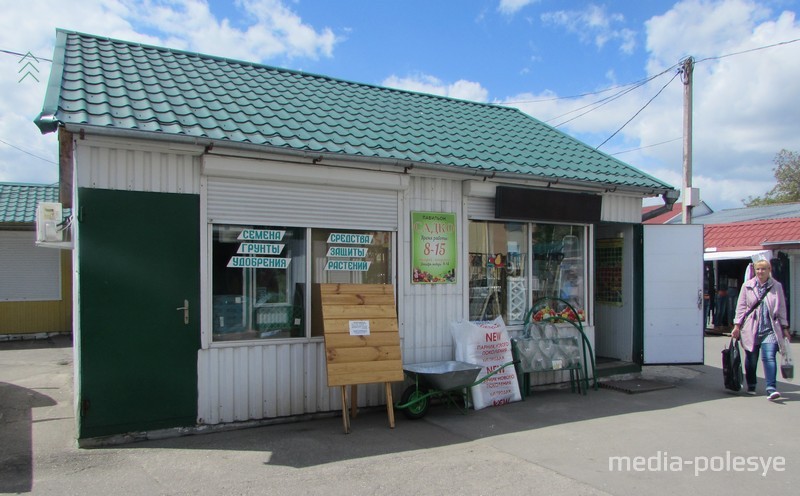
(434, 252)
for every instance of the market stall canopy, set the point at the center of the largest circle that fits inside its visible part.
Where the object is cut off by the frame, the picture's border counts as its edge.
(123, 89)
(745, 237)
(735, 255)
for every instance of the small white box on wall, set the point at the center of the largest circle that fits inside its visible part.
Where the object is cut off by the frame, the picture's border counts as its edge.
(692, 197)
(48, 218)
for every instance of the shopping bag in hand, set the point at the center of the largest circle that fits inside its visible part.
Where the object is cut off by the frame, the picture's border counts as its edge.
(732, 366)
(787, 363)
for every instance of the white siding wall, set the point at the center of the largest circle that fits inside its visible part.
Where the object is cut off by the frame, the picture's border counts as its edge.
(426, 310)
(240, 381)
(618, 208)
(136, 168)
(245, 382)
(268, 381)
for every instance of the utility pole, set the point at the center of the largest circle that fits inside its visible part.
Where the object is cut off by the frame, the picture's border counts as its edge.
(686, 77)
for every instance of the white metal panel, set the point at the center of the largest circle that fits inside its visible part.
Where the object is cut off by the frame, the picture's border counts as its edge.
(618, 208)
(673, 294)
(733, 255)
(428, 309)
(103, 166)
(480, 207)
(306, 205)
(258, 381)
(28, 272)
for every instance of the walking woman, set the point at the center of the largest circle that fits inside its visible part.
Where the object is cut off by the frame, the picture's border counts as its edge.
(763, 328)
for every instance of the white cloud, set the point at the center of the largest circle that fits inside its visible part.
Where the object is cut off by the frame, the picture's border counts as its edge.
(746, 106)
(594, 25)
(511, 7)
(461, 89)
(270, 30)
(274, 29)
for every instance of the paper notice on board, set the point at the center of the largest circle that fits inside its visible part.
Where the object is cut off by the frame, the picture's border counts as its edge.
(359, 327)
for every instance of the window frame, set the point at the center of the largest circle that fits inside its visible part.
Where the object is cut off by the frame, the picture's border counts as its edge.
(308, 334)
(586, 234)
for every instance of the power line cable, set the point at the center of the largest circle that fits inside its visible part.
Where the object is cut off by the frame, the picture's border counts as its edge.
(596, 105)
(639, 82)
(662, 89)
(639, 111)
(648, 146)
(27, 152)
(9, 52)
(604, 101)
(750, 50)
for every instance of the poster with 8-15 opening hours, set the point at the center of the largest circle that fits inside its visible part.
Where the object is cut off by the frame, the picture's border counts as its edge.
(433, 248)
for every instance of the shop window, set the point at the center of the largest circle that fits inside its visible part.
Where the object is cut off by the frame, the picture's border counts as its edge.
(258, 281)
(349, 257)
(559, 264)
(497, 277)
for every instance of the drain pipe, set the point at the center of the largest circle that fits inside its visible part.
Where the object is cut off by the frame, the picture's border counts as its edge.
(670, 197)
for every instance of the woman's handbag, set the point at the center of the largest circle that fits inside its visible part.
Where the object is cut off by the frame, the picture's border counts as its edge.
(787, 363)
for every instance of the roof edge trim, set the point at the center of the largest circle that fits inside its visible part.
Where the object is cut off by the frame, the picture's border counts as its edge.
(47, 121)
(400, 164)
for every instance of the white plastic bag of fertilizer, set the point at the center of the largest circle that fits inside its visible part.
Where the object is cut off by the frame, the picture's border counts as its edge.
(487, 343)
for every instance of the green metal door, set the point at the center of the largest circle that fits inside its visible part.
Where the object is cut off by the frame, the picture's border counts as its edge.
(139, 261)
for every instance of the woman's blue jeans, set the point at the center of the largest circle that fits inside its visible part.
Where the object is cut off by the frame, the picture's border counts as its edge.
(768, 351)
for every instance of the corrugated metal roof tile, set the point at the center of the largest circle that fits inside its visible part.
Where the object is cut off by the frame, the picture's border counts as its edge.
(18, 201)
(115, 83)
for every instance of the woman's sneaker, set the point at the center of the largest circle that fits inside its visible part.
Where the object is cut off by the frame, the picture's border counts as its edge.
(751, 392)
(774, 395)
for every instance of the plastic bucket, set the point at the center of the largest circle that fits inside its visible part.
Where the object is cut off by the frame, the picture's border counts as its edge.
(787, 371)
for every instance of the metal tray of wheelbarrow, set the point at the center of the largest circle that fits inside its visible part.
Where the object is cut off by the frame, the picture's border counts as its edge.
(445, 375)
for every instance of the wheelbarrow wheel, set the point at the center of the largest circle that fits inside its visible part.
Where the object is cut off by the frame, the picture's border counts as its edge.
(416, 401)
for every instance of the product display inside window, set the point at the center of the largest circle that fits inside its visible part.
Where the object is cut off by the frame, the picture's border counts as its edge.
(258, 281)
(260, 276)
(497, 276)
(502, 284)
(558, 269)
(349, 257)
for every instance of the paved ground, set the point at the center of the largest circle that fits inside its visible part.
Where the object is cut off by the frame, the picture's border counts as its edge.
(694, 438)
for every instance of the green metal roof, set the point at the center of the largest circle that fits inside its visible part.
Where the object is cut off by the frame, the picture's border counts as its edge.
(18, 201)
(115, 85)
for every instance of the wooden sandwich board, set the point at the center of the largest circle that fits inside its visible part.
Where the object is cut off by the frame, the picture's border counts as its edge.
(362, 340)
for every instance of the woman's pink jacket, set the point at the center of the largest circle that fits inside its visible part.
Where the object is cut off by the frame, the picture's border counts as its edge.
(776, 303)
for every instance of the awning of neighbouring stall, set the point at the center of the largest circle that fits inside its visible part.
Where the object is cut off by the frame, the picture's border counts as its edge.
(734, 255)
(723, 240)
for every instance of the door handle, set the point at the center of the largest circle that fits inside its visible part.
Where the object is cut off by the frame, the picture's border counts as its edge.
(699, 298)
(185, 309)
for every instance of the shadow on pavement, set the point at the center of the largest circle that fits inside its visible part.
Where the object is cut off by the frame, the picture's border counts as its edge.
(322, 441)
(16, 443)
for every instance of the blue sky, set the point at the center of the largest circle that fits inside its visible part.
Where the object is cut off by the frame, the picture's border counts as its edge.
(538, 55)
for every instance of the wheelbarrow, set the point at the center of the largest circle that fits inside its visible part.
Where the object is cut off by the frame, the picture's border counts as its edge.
(448, 381)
